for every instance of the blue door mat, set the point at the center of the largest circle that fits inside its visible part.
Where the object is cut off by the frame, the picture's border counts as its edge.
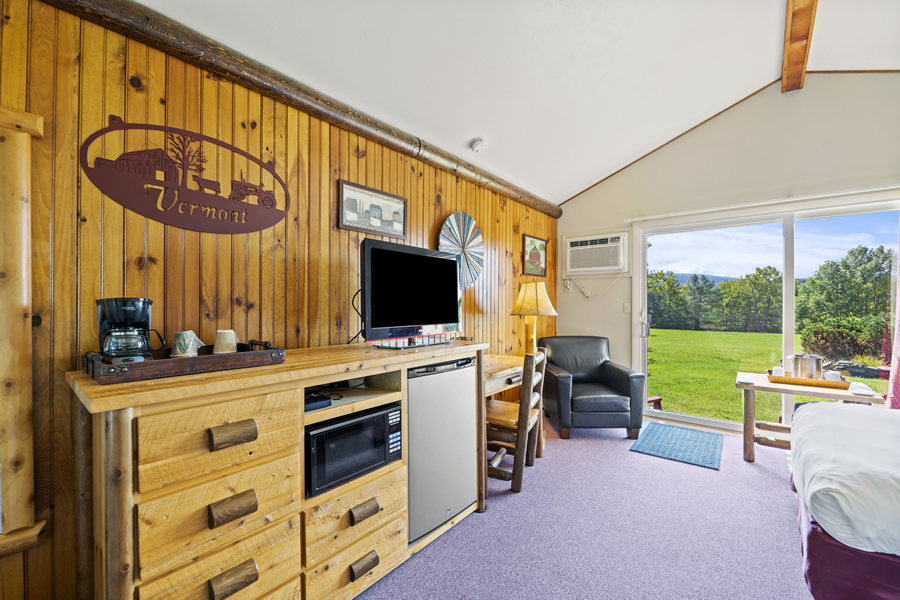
(701, 448)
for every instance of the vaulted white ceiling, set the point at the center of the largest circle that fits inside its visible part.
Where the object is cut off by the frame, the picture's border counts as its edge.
(565, 92)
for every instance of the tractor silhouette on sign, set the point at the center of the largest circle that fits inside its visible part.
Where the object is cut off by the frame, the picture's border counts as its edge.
(240, 190)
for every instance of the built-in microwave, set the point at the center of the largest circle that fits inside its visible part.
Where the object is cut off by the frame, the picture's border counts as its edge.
(344, 448)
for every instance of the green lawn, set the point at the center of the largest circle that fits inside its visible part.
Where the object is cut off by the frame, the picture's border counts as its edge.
(694, 371)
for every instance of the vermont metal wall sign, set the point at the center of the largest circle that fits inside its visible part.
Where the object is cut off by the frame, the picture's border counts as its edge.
(166, 184)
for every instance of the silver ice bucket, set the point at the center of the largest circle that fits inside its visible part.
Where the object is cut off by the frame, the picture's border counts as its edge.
(808, 366)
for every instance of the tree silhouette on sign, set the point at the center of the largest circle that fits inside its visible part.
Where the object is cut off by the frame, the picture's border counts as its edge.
(185, 155)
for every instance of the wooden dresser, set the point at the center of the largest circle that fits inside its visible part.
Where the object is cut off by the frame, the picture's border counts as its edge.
(196, 483)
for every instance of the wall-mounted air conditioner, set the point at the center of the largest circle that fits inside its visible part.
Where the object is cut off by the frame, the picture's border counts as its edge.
(596, 254)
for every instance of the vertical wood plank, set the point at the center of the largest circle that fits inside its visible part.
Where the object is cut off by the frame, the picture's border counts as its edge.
(91, 200)
(279, 292)
(254, 143)
(12, 577)
(240, 172)
(303, 202)
(293, 274)
(114, 263)
(14, 50)
(191, 273)
(314, 282)
(65, 296)
(324, 233)
(339, 318)
(208, 274)
(267, 237)
(42, 36)
(224, 250)
(155, 263)
(136, 139)
(352, 241)
(168, 93)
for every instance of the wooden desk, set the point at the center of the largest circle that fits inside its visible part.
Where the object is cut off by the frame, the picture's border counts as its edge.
(761, 383)
(502, 372)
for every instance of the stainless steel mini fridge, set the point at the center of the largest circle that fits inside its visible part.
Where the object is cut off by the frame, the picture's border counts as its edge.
(442, 449)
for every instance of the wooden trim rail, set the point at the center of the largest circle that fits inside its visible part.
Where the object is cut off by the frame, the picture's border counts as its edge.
(23, 539)
(158, 31)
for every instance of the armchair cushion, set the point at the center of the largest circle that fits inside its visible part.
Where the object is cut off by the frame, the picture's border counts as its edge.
(596, 397)
(581, 355)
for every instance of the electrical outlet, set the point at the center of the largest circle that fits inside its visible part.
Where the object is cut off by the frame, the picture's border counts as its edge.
(626, 307)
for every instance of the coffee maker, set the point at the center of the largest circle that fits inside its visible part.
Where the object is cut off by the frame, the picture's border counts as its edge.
(123, 325)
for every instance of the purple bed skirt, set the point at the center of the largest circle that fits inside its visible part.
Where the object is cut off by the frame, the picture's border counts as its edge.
(834, 571)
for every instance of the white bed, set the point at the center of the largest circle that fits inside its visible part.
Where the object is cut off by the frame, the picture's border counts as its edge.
(846, 468)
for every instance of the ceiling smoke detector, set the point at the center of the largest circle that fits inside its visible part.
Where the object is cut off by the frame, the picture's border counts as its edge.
(477, 145)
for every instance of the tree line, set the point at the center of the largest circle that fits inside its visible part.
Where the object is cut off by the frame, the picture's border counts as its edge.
(854, 287)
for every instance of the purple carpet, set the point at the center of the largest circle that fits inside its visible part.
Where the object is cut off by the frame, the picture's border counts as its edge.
(594, 520)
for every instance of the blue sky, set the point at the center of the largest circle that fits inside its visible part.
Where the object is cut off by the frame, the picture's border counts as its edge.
(736, 251)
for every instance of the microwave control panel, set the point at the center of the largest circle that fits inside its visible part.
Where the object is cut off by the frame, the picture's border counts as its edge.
(395, 449)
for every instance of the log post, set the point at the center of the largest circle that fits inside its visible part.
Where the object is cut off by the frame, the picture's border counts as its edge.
(481, 430)
(16, 446)
(749, 424)
(114, 525)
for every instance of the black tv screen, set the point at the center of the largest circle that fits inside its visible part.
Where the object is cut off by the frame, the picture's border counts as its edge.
(407, 291)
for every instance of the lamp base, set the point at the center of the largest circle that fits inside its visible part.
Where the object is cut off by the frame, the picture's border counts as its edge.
(531, 335)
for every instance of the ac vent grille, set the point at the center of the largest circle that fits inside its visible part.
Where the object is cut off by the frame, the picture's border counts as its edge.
(596, 255)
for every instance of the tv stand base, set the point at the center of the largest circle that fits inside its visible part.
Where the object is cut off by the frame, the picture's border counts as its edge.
(406, 343)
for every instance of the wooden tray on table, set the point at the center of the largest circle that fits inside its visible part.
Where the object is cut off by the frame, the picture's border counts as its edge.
(252, 354)
(822, 383)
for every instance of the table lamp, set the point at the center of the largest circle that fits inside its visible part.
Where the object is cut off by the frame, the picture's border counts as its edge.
(531, 304)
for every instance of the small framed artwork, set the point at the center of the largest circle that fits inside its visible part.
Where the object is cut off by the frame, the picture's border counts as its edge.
(534, 255)
(371, 211)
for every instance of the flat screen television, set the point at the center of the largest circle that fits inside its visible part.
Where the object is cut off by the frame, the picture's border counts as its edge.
(408, 292)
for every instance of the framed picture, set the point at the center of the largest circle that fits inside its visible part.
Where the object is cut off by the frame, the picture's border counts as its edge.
(534, 255)
(370, 211)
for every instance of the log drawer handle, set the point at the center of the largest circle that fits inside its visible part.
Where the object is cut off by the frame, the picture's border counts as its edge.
(233, 580)
(360, 567)
(232, 508)
(232, 434)
(361, 512)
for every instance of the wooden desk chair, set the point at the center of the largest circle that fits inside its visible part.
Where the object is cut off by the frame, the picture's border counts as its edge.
(513, 427)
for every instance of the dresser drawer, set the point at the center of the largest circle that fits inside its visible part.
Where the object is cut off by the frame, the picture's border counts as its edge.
(176, 528)
(338, 522)
(347, 573)
(248, 569)
(293, 590)
(176, 446)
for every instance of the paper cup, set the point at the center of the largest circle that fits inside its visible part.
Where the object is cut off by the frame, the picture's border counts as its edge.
(186, 343)
(226, 341)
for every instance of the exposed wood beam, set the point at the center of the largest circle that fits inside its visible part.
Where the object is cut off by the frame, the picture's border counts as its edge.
(798, 28)
(158, 31)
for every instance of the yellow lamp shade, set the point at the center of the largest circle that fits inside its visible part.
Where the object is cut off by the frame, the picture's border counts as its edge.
(531, 304)
(533, 300)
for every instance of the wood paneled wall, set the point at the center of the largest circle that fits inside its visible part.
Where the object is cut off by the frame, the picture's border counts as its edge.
(291, 284)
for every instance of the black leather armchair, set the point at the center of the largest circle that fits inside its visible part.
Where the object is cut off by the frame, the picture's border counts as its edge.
(582, 388)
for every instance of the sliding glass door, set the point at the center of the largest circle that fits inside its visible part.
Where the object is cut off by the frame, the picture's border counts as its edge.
(730, 295)
(845, 268)
(715, 302)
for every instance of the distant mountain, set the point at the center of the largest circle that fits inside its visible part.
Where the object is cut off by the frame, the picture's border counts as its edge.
(717, 279)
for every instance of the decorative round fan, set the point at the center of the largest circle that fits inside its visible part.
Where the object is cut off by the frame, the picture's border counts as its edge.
(461, 235)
